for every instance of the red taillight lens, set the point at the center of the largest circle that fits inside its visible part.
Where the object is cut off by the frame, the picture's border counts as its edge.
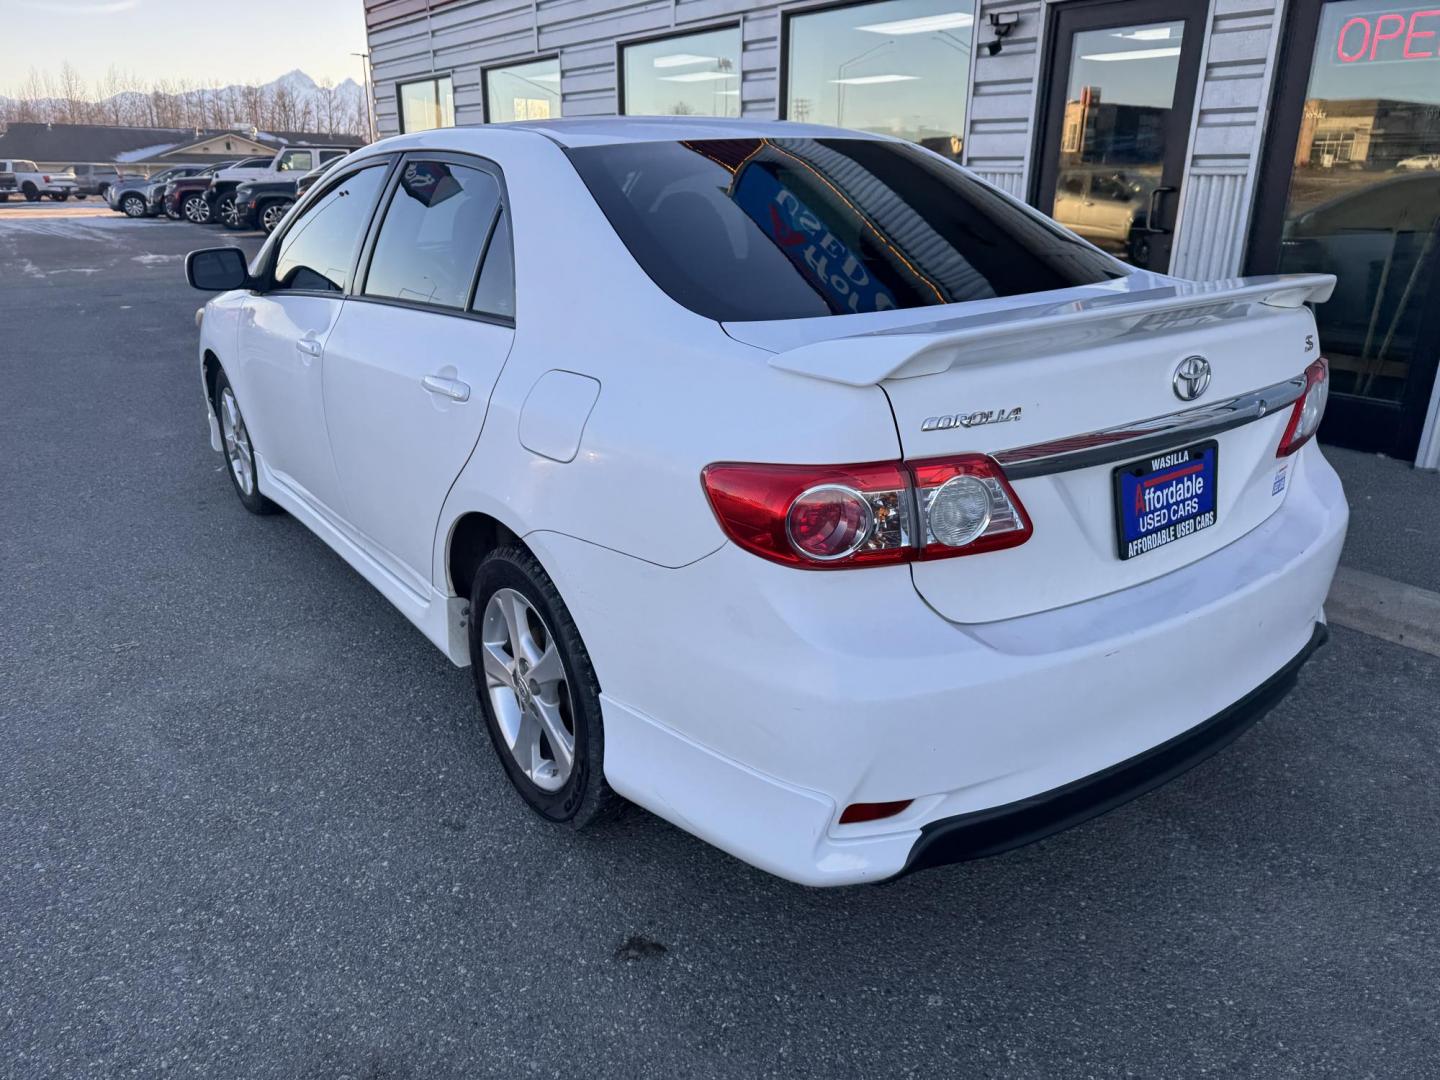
(1305, 417)
(838, 517)
(814, 516)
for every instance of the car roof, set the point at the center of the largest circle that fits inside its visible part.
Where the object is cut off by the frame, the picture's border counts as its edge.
(606, 130)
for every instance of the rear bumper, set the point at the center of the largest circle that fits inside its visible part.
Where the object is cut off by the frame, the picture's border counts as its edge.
(751, 704)
(1003, 828)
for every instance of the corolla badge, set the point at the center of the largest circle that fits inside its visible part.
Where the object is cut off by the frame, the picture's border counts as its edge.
(1191, 378)
(974, 419)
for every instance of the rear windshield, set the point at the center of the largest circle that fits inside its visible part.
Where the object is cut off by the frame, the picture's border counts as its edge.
(754, 229)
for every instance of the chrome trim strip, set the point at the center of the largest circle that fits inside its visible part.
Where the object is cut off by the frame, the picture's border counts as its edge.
(1110, 445)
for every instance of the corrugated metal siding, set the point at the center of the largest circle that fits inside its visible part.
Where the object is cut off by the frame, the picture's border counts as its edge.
(465, 38)
(1231, 109)
(1003, 97)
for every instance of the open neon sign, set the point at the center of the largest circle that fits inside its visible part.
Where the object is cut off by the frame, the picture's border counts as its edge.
(1389, 36)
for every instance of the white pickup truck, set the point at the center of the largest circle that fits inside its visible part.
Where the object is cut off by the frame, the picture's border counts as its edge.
(25, 178)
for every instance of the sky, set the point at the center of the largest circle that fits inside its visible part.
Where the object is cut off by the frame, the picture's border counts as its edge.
(180, 39)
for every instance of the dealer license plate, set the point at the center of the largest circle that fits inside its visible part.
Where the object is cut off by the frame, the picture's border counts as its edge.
(1165, 498)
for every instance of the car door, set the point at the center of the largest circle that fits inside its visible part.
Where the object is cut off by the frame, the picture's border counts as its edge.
(410, 367)
(284, 328)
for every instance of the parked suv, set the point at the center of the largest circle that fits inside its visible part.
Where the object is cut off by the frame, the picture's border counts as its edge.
(34, 184)
(262, 203)
(185, 195)
(286, 164)
(143, 197)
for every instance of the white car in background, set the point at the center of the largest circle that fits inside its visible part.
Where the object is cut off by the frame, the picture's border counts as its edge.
(790, 482)
(26, 179)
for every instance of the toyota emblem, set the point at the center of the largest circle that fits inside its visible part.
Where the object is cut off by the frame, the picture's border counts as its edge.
(1191, 378)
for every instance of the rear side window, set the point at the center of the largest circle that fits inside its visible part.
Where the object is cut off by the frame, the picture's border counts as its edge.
(755, 229)
(434, 231)
(318, 249)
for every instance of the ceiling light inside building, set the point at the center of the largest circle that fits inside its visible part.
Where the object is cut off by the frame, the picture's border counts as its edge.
(872, 80)
(1133, 54)
(698, 76)
(925, 24)
(681, 59)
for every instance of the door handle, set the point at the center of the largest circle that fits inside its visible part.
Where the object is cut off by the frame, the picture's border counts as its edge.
(453, 389)
(308, 347)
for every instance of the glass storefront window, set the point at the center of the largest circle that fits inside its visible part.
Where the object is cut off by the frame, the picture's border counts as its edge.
(523, 91)
(1364, 195)
(692, 75)
(1116, 132)
(900, 67)
(427, 104)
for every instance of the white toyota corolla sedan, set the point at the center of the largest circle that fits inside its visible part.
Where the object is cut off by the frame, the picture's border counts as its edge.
(790, 482)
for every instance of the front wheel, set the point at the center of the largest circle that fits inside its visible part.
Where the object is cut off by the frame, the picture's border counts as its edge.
(196, 210)
(133, 206)
(239, 451)
(538, 691)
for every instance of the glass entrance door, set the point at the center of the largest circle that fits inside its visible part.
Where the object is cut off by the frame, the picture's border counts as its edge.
(1352, 188)
(1117, 122)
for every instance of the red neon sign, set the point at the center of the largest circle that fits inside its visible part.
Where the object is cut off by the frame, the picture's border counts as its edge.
(1389, 36)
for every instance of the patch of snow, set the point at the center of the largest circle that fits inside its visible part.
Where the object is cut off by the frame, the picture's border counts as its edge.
(144, 152)
(149, 259)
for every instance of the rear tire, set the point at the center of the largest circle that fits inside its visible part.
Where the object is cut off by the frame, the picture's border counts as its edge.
(226, 213)
(239, 451)
(538, 692)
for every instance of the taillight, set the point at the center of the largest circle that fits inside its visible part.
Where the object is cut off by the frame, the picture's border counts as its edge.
(44, 178)
(1307, 413)
(833, 517)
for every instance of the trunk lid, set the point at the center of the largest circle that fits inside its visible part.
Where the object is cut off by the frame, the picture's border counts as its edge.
(1065, 388)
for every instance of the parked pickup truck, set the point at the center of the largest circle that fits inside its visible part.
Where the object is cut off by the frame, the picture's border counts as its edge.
(288, 163)
(30, 182)
(97, 179)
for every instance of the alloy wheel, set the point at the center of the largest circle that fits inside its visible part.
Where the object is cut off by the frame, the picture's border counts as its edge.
(237, 442)
(134, 206)
(528, 690)
(229, 215)
(272, 215)
(197, 210)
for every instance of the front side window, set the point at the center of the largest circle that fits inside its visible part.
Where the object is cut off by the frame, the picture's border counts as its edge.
(427, 104)
(748, 229)
(318, 250)
(296, 161)
(433, 234)
(523, 92)
(899, 67)
(692, 75)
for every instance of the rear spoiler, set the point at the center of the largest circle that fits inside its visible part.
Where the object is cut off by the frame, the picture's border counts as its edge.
(927, 349)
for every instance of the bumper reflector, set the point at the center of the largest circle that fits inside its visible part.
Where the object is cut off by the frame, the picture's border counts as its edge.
(872, 811)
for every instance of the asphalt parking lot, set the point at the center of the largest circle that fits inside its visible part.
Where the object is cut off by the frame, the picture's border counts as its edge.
(250, 827)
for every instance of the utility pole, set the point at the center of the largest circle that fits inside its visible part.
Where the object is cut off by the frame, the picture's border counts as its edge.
(369, 93)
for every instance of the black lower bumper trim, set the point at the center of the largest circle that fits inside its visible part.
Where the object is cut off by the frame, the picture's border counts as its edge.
(1002, 828)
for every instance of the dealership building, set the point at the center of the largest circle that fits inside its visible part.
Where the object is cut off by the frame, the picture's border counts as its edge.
(1204, 138)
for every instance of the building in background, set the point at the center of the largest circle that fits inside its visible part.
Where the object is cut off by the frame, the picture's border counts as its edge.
(146, 150)
(1206, 139)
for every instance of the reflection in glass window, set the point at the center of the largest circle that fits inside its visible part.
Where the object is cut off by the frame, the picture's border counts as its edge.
(428, 104)
(750, 229)
(495, 293)
(1112, 142)
(317, 251)
(523, 92)
(900, 67)
(1364, 199)
(434, 230)
(693, 75)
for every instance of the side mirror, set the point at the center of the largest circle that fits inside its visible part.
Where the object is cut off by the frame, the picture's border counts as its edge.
(217, 269)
